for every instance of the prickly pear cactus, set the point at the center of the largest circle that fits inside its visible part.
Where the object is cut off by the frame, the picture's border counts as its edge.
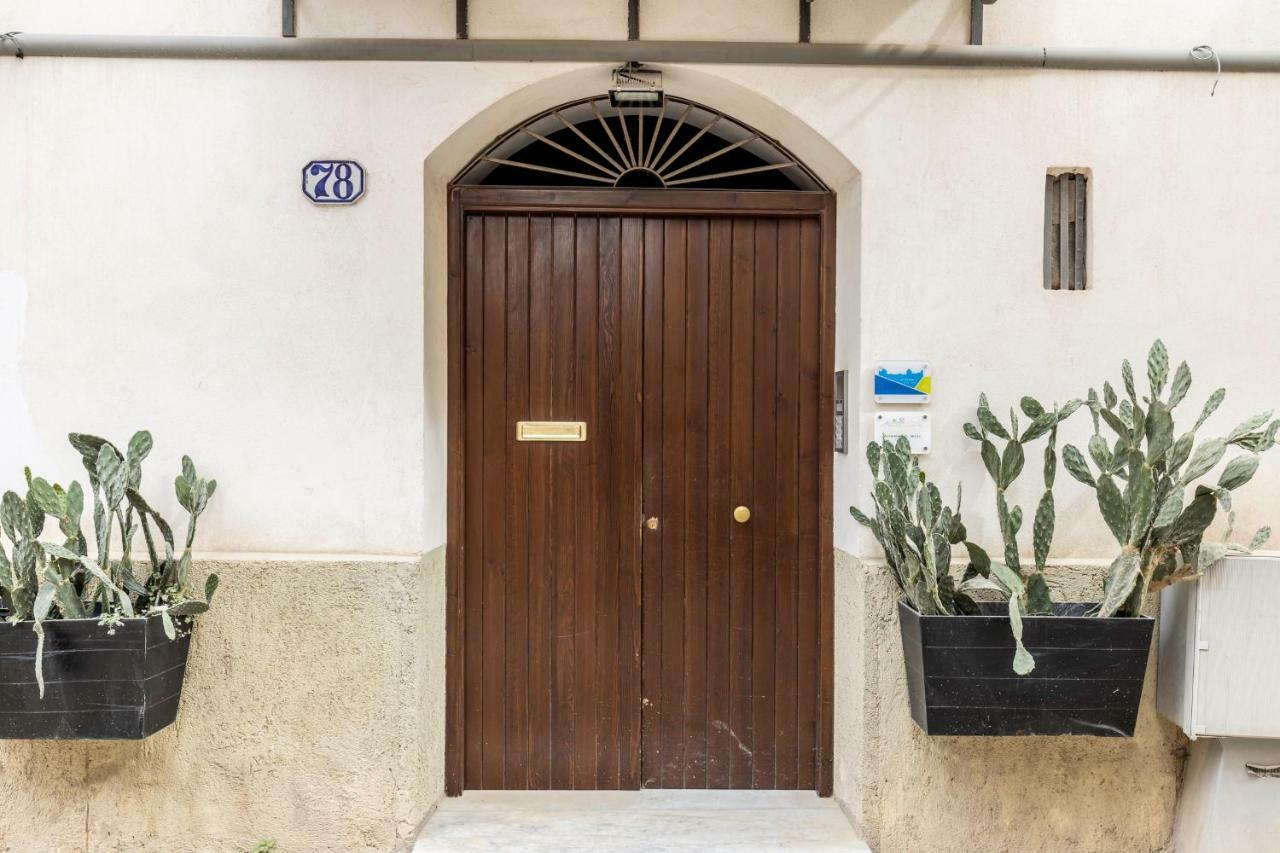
(1028, 591)
(42, 580)
(1004, 466)
(1144, 474)
(916, 530)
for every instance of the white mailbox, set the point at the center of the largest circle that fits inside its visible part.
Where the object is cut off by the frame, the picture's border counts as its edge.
(1219, 679)
(1219, 673)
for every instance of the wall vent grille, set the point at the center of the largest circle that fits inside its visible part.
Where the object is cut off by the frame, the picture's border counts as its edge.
(1066, 195)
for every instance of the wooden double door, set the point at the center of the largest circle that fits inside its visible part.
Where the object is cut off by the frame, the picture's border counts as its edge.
(616, 620)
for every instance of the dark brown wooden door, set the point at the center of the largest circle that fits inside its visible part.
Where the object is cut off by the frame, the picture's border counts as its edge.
(611, 624)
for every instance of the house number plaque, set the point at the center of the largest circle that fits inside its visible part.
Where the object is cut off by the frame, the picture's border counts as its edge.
(333, 181)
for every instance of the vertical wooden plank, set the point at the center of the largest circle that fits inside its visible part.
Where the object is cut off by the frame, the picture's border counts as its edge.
(675, 516)
(1051, 281)
(563, 407)
(585, 517)
(739, 728)
(809, 521)
(695, 545)
(1065, 185)
(455, 660)
(763, 518)
(629, 415)
(826, 589)
(516, 735)
(493, 477)
(719, 500)
(1081, 231)
(608, 509)
(1066, 249)
(786, 502)
(651, 560)
(474, 556)
(541, 567)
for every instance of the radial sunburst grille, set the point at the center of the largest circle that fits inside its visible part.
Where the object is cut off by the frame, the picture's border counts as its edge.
(681, 145)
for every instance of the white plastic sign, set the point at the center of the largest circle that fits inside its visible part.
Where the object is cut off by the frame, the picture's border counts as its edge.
(916, 426)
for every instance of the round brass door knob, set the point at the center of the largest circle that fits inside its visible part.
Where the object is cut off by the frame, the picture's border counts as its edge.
(741, 515)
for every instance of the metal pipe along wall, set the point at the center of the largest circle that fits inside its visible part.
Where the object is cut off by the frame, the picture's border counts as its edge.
(728, 53)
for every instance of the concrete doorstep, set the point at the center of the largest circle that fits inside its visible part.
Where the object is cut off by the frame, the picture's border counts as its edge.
(649, 821)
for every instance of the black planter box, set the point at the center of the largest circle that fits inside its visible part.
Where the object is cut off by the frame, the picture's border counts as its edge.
(98, 686)
(1087, 681)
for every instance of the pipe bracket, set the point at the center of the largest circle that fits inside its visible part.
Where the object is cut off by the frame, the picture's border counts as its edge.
(12, 38)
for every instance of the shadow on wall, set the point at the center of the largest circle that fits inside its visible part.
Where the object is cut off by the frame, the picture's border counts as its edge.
(892, 21)
(19, 446)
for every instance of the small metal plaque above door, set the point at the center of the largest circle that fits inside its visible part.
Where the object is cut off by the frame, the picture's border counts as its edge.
(551, 431)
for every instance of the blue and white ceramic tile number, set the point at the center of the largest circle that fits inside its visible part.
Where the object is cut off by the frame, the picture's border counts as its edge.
(333, 181)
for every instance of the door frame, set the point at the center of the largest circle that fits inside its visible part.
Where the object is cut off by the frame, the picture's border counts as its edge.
(642, 202)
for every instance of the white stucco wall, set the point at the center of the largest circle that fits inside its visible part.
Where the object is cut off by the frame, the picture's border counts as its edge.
(720, 20)
(1239, 24)
(278, 343)
(174, 277)
(952, 207)
(374, 18)
(142, 17)
(565, 19)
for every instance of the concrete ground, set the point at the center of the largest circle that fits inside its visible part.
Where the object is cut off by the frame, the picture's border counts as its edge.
(635, 821)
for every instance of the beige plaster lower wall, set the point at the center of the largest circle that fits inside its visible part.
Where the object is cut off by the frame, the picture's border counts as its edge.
(910, 793)
(314, 706)
(312, 713)
(849, 776)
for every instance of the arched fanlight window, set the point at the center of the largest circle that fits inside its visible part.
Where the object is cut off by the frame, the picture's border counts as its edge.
(680, 144)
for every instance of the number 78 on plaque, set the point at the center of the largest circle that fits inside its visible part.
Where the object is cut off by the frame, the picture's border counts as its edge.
(333, 181)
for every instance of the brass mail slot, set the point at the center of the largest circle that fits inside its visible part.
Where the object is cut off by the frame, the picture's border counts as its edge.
(551, 430)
